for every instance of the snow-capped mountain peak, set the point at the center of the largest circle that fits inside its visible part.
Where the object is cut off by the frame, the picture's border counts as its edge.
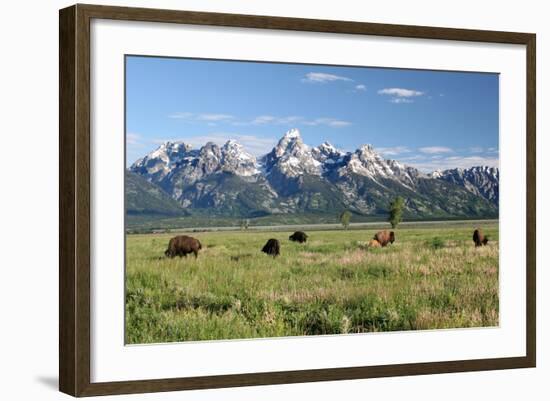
(210, 150)
(162, 160)
(234, 149)
(169, 150)
(178, 159)
(291, 142)
(326, 149)
(291, 157)
(366, 162)
(292, 133)
(367, 149)
(236, 160)
(294, 177)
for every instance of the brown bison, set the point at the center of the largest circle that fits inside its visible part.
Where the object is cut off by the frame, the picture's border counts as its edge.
(298, 236)
(272, 247)
(374, 244)
(384, 237)
(479, 238)
(182, 245)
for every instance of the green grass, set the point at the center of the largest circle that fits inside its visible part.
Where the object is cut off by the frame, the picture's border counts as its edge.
(431, 277)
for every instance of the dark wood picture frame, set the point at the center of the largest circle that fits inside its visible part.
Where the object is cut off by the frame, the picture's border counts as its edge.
(74, 199)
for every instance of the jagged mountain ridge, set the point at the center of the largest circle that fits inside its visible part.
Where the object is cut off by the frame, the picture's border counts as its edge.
(481, 180)
(296, 178)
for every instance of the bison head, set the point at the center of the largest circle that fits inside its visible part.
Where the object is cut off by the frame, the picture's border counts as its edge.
(392, 237)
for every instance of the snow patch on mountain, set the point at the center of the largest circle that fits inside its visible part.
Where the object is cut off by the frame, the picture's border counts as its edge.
(480, 180)
(237, 161)
(157, 164)
(291, 157)
(172, 158)
(366, 162)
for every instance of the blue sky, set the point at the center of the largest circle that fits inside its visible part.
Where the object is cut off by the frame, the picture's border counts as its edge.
(427, 119)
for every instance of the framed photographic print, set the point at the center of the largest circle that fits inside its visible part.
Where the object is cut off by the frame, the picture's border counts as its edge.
(250, 200)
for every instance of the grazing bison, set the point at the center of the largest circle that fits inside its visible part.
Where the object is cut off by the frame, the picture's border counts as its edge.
(384, 237)
(298, 236)
(272, 247)
(479, 238)
(374, 244)
(182, 245)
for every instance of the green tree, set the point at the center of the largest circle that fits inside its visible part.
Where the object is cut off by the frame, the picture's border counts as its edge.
(396, 211)
(245, 223)
(345, 218)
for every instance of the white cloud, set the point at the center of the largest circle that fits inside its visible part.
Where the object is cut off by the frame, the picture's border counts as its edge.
(294, 120)
(400, 95)
(330, 122)
(133, 139)
(398, 100)
(290, 119)
(476, 149)
(435, 149)
(412, 158)
(181, 115)
(360, 87)
(400, 92)
(263, 120)
(455, 162)
(134, 147)
(321, 77)
(338, 123)
(214, 117)
(268, 119)
(210, 117)
(394, 151)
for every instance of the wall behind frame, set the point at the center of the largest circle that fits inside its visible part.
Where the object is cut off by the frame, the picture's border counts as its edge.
(28, 205)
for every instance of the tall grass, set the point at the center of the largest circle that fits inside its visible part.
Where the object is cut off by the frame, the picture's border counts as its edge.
(428, 279)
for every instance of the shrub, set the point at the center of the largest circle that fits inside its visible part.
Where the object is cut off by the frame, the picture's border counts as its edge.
(436, 243)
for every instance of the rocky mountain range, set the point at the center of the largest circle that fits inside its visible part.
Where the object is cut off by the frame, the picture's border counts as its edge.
(296, 178)
(481, 180)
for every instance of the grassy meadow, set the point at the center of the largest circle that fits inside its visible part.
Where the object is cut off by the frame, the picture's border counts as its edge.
(432, 277)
